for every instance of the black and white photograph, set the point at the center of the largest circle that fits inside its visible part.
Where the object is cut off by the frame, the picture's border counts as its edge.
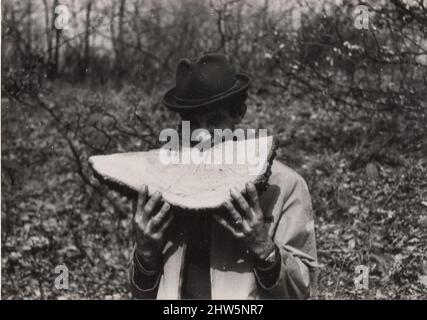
(227, 150)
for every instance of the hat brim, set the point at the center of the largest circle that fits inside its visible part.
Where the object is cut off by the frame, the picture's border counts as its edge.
(170, 102)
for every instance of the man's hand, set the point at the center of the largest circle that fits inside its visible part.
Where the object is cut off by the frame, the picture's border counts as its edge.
(248, 222)
(150, 225)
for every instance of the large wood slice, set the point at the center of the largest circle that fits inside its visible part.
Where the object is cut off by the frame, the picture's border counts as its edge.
(199, 186)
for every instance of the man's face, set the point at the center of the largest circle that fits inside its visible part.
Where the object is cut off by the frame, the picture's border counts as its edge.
(210, 119)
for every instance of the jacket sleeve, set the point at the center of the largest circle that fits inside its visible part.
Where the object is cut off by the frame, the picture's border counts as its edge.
(294, 236)
(143, 283)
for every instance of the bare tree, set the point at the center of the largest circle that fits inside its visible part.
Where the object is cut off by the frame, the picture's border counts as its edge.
(48, 32)
(85, 60)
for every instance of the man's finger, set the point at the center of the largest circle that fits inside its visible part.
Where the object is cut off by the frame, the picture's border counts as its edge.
(226, 225)
(140, 203)
(159, 218)
(253, 196)
(235, 215)
(241, 201)
(151, 204)
(167, 221)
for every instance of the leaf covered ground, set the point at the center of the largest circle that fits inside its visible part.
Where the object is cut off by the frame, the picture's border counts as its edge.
(367, 181)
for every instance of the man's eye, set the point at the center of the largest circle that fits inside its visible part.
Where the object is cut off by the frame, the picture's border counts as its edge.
(194, 124)
(192, 121)
(214, 120)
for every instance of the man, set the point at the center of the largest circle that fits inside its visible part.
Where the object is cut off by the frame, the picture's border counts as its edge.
(255, 246)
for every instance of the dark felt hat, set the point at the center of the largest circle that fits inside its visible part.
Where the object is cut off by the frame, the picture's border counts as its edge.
(205, 81)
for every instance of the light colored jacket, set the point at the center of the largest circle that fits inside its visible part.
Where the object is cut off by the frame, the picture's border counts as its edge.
(232, 270)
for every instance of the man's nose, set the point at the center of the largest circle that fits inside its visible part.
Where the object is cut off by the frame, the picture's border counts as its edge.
(201, 136)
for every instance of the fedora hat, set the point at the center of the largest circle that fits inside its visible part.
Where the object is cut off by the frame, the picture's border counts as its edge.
(205, 81)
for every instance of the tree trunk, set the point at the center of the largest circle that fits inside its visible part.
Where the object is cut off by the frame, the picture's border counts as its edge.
(48, 32)
(55, 65)
(29, 27)
(120, 44)
(86, 48)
